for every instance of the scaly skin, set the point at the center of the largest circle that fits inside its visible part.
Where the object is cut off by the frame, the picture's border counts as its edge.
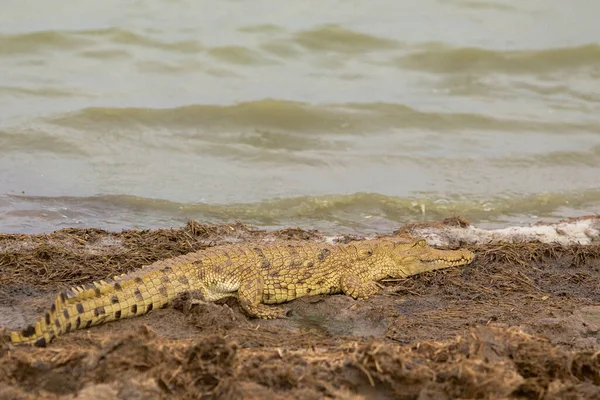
(256, 274)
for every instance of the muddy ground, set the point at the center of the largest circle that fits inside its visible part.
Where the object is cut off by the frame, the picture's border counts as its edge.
(523, 321)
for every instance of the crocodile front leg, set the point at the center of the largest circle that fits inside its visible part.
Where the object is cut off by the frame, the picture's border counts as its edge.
(353, 287)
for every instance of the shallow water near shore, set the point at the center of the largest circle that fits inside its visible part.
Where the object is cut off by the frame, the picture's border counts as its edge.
(341, 116)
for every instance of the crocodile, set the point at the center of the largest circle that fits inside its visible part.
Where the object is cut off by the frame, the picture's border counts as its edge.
(259, 275)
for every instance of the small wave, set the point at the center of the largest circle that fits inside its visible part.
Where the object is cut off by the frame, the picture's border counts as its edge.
(31, 140)
(143, 39)
(341, 40)
(439, 58)
(86, 39)
(40, 41)
(239, 55)
(268, 113)
(272, 114)
(482, 5)
(105, 54)
(40, 91)
(281, 48)
(562, 90)
(589, 157)
(266, 29)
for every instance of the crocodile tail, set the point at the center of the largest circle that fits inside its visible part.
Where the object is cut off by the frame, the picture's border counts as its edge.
(84, 306)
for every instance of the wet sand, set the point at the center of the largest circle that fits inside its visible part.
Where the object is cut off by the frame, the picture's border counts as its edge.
(523, 321)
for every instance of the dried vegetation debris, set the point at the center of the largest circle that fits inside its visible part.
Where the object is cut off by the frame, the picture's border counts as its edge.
(77, 256)
(489, 362)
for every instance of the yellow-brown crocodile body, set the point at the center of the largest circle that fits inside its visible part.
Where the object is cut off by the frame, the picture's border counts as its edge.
(257, 274)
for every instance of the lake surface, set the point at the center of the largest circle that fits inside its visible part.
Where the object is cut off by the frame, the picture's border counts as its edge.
(344, 116)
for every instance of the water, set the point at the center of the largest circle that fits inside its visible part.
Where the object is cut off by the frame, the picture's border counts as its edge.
(342, 116)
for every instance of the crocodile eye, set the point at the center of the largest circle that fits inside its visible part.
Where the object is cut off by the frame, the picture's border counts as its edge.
(366, 253)
(421, 243)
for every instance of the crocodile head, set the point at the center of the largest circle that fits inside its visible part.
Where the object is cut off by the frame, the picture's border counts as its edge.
(415, 257)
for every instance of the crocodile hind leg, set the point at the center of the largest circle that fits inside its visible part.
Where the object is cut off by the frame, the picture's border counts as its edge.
(250, 295)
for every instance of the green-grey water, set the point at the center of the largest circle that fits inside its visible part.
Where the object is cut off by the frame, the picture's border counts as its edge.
(342, 116)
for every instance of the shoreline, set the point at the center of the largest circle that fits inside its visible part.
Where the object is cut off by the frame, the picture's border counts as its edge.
(523, 319)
